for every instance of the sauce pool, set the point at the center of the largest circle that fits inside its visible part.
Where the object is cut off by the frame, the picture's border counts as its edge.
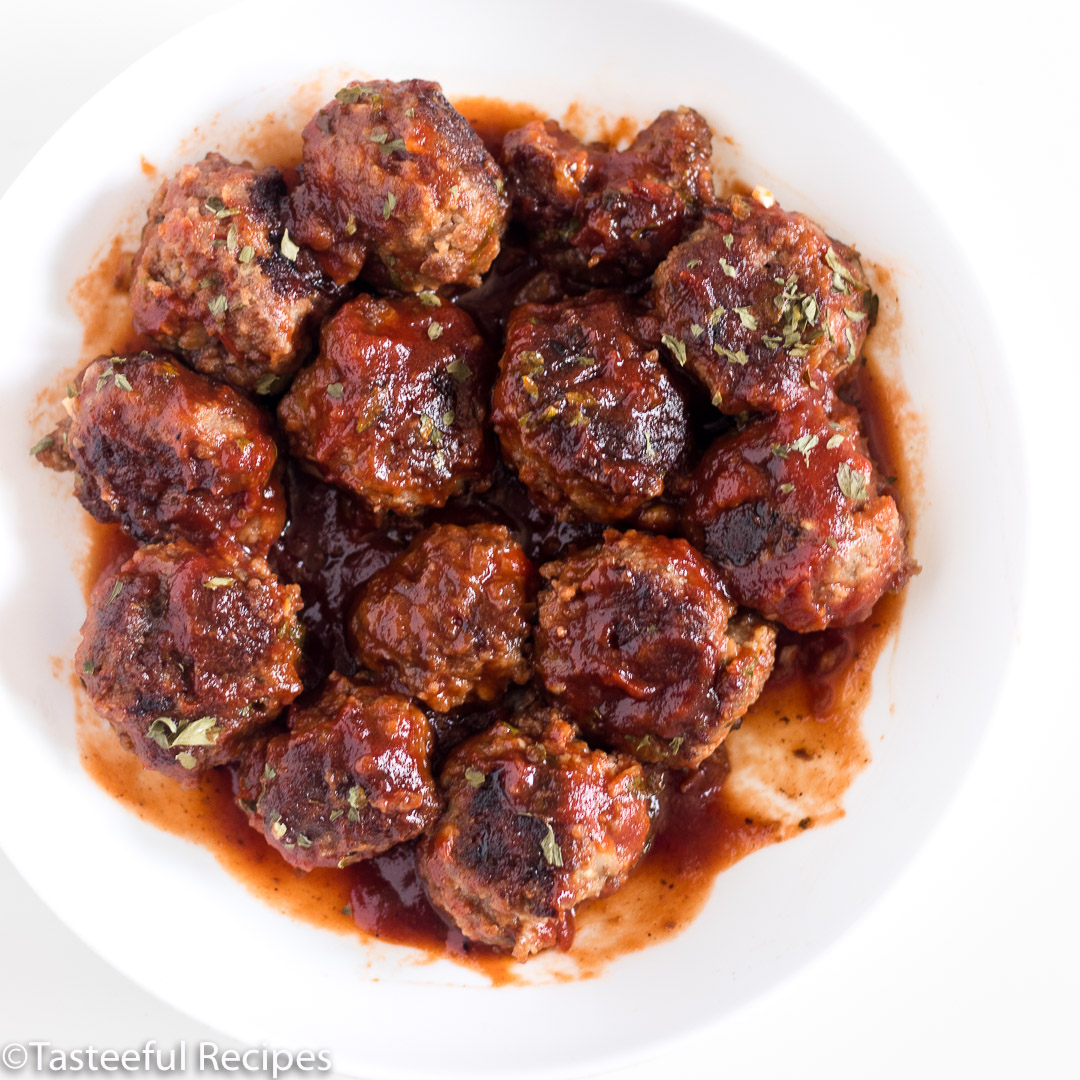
(783, 771)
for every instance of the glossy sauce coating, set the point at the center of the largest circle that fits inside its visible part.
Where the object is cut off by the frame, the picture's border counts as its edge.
(189, 654)
(449, 619)
(584, 410)
(632, 641)
(792, 511)
(605, 216)
(215, 279)
(394, 406)
(350, 779)
(397, 185)
(536, 824)
(762, 307)
(172, 455)
(707, 828)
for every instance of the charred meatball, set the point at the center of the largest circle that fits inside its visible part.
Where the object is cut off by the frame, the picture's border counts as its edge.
(792, 512)
(397, 184)
(189, 654)
(585, 411)
(448, 620)
(393, 408)
(603, 216)
(762, 307)
(172, 455)
(350, 779)
(534, 826)
(633, 642)
(217, 279)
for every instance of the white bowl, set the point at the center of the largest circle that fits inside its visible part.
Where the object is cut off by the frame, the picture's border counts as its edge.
(162, 910)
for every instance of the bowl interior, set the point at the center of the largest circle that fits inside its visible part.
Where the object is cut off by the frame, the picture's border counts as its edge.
(198, 936)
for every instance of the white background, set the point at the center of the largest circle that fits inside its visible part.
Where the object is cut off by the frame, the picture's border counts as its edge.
(970, 965)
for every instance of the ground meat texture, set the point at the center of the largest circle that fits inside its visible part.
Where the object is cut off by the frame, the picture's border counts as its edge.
(216, 278)
(397, 183)
(791, 510)
(603, 216)
(189, 654)
(349, 780)
(172, 455)
(584, 409)
(762, 307)
(533, 827)
(393, 409)
(632, 641)
(449, 620)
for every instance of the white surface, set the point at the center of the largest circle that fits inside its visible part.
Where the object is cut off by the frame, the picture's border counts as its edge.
(965, 944)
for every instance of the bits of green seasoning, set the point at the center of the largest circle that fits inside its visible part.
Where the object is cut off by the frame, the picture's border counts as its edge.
(219, 582)
(697, 329)
(729, 239)
(388, 205)
(232, 239)
(218, 208)
(831, 541)
(459, 370)
(746, 318)
(475, 777)
(336, 391)
(718, 399)
(727, 267)
(716, 314)
(42, 444)
(676, 744)
(854, 316)
(219, 305)
(118, 585)
(357, 797)
(350, 95)
(850, 358)
(852, 482)
(429, 299)
(550, 847)
(88, 667)
(779, 450)
(677, 347)
(434, 331)
(289, 248)
(267, 384)
(834, 442)
(247, 253)
(187, 759)
(201, 732)
(650, 450)
(692, 263)
(350, 225)
(739, 357)
(804, 444)
(786, 489)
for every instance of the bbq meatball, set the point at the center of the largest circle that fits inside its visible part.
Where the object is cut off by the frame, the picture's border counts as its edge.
(607, 217)
(585, 411)
(633, 643)
(216, 278)
(350, 779)
(534, 826)
(448, 620)
(172, 455)
(762, 306)
(396, 183)
(189, 654)
(791, 510)
(393, 408)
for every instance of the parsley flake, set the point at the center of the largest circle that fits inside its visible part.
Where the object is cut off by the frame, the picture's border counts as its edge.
(42, 444)
(336, 391)
(388, 205)
(550, 847)
(677, 347)
(475, 777)
(434, 331)
(289, 248)
(852, 482)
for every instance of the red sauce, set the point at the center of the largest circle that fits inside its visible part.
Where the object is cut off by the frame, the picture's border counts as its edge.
(802, 740)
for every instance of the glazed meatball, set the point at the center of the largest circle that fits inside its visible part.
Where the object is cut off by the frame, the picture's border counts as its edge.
(393, 408)
(585, 411)
(762, 307)
(172, 455)
(350, 779)
(189, 654)
(791, 510)
(217, 279)
(448, 620)
(607, 217)
(534, 826)
(633, 643)
(397, 184)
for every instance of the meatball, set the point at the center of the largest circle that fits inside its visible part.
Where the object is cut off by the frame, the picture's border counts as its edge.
(172, 455)
(585, 411)
(534, 826)
(448, 620)
(393, 408)
(791, 510)
(762, 307)
(397, 184)
(188, 654)
(217, 278)
(633, 643)
(607, 217)
(349, 780)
